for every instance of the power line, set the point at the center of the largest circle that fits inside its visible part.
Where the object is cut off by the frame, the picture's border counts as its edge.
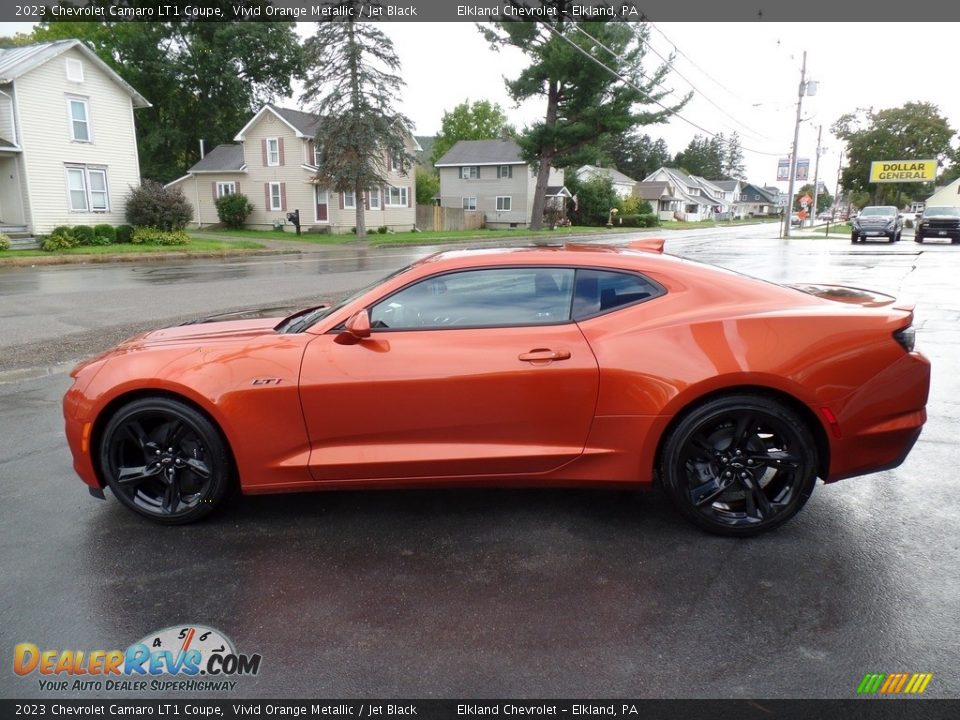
(690, 60)
(641, 90)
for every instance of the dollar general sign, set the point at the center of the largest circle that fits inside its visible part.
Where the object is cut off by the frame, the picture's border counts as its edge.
(894, 171)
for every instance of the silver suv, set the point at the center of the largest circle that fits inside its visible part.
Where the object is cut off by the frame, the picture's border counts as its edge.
(877, 221)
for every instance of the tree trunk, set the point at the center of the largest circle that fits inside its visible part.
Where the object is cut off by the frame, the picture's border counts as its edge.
(360, 200)
(546, 159)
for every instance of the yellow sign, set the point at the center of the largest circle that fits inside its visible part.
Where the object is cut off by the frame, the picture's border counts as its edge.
(894, 171)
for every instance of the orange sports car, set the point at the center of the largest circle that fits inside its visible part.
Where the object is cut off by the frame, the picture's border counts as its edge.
(543, 366)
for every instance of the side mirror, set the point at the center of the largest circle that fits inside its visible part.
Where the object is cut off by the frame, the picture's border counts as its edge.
(355, 329)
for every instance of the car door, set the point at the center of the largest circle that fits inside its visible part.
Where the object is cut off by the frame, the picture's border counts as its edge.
(466, 374)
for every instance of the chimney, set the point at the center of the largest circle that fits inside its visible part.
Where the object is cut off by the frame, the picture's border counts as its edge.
(202, 151)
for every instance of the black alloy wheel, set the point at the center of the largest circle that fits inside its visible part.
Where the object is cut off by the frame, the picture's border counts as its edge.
(164, 460)
(739, 465)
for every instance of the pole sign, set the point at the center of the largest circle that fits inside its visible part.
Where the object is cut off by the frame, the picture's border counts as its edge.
(783, 169)
(901, 171)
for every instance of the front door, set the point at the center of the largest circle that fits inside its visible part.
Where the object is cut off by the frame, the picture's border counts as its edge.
(475, 373)
(320, 197)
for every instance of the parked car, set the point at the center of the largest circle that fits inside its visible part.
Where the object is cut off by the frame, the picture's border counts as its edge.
(877, 221)
(939, 221)
(576, 365)
(795, 219)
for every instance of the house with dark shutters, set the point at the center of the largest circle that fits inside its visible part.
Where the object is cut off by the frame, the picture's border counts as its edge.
(272, 161)
(492, 177)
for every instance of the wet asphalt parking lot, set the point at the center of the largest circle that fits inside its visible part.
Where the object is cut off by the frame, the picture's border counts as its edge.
(468, 593)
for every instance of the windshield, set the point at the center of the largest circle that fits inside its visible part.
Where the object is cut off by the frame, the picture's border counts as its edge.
(941, 211)
(299, 321)
(878, 212)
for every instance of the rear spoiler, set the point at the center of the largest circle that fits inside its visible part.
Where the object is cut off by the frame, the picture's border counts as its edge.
(654, 245)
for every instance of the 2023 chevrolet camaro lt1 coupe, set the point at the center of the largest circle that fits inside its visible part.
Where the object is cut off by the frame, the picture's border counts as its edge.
(574, 365)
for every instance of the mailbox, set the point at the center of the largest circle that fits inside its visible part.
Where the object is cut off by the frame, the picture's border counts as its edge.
(294, 217)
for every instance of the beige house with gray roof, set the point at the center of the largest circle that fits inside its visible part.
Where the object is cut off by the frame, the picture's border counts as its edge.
(68, 145)
(492, 177)
(271, 161)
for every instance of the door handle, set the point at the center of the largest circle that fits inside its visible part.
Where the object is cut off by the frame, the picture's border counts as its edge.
(544, 355)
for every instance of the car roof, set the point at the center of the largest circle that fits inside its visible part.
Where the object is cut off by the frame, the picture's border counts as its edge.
(572, 253)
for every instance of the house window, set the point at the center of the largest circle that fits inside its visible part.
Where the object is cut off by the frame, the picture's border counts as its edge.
(87, 189)
(469, 203)
(226, 188)
(79, 119)
(276, 196)
(74, 70)
(316, 156)
(504, 171)
(373, 195)
(273, 152)
(349, 200)
(397, 162)
(396, 197)
(469, 172)
(504, 203)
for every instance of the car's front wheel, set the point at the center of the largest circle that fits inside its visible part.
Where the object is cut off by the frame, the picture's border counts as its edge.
(165, 460)
(918, 238)
(739, 465)
(854, 238)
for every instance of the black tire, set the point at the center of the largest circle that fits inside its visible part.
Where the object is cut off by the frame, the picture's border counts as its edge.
(165, 460)
(898, 236)
(739, 465)
(918, 238)
(854, 238)
(891, 238)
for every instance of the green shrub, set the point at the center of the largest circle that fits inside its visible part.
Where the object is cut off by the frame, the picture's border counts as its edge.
(155, 236)
(4, 242)
(232, 209)
(105, 232)
(644, 220)
(101, 240)
(62, 230)
(83, 234)
(58, 241)
(124, 233)
(153, 205)
(382, 229)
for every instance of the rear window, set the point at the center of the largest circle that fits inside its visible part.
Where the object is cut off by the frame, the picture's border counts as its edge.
(600, 291)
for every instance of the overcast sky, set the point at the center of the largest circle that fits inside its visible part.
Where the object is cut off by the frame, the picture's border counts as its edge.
(746, 77)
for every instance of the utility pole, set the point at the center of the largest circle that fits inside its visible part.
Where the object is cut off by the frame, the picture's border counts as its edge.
(793, 157)
(836, 200)
(816, 177)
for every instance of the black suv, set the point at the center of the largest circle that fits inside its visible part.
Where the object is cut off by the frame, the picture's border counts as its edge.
(939, 221)
(877, 221)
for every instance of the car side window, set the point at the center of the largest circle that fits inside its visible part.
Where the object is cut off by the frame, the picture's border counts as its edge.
(494, 297)
(599, 291)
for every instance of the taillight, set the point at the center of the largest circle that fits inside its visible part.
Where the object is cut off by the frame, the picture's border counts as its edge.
(907, 337)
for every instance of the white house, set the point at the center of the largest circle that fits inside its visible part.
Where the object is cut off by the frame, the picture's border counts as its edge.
(692, 198)
(68, 146)
(273, 163)
(948, 195)
(622, 184)
(492, 177)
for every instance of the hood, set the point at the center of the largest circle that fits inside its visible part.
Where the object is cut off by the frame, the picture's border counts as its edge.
(276, 311)
(209, 332)
(876, 219)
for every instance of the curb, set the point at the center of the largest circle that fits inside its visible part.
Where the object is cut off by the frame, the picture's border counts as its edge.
(136, 257)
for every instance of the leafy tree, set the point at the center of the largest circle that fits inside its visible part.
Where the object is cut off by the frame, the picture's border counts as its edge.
(481, 120)
(633, 154)
(703, 156)
(824, 200)
(733, 167)
(428, 185)
(590, 75)
(595, 198)
(353, 82)
(203, 78)
(916, 130)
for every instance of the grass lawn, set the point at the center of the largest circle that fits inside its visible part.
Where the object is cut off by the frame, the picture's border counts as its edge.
(405, 238)
(238, 235)
(196, 246)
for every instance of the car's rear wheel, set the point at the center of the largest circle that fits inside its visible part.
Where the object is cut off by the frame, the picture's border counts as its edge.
(739, 465)
(165, 460)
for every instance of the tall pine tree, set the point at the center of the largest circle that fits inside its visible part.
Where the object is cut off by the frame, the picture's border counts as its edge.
(591, 77)
(353, 83)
